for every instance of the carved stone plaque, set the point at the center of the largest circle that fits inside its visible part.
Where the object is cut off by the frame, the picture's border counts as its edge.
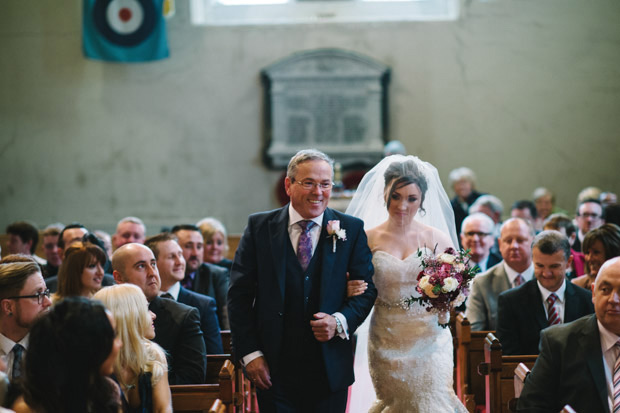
(329, 99)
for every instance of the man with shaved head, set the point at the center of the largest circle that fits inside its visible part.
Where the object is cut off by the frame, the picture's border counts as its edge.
(577, 360)
(177, 326)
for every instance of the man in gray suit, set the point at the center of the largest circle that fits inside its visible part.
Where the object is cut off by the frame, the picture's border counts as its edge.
(515, 244)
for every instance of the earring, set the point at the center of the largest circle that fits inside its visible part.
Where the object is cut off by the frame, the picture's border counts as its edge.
(10, 313)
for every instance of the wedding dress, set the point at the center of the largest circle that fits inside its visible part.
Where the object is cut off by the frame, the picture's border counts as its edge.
(410, 355)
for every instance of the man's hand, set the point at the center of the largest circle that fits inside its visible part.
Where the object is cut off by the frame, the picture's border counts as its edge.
(355, 287)
(323, 327)
(258, 372)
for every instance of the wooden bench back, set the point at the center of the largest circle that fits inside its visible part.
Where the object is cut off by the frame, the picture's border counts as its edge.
(499, 374)
(198, 398)
(469, 354)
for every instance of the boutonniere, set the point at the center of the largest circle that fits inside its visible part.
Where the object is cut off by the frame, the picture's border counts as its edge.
(337, 233)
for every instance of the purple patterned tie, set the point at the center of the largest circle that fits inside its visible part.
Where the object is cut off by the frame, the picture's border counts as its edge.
(304, 247)
(553, 316)
(519, 280)
(616, 379)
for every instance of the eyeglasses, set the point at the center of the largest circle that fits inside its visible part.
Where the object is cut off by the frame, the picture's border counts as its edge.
(588, 215)
(38, 296)
(471, 234)
(310, 185)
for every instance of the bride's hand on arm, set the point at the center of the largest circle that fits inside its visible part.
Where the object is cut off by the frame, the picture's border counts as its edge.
(355, 287)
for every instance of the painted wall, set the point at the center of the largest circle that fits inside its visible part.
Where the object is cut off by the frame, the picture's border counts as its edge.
(526, 93)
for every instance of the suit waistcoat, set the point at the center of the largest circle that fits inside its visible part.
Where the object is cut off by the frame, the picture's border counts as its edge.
(301, 301)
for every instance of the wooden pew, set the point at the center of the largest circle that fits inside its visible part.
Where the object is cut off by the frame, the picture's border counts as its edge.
(198, 398)
(244, 397)
(499, 373)
(469, 354)
(226, 341)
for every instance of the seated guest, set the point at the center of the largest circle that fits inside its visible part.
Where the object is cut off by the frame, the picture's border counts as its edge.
(544, 201)
(141, 368)
(515, 269)
(563, 224)
(52, 252)
(526, 210)
(547, 300)
(171, 266)
(477, 237)
(128, 230)
(201, 277)
(577, 360)
(71, 233)
(81, 272)
(216, 242)
(177, 326)
(589, 216)
(23, 239)
(72, 350)
(599, 245)
(463, 182)
(23, 298)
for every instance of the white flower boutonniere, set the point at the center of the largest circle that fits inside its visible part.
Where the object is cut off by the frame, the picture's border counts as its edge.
(337, 233)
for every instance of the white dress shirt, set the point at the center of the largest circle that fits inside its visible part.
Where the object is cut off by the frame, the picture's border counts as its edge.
(610, 353)
(560, 304)
(6, 347)
(527, 275)
(173, 291)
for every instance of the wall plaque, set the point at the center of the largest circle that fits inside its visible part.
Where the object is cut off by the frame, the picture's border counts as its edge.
(330, 99)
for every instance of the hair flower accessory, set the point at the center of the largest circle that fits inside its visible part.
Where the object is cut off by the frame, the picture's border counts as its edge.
(443, 282)
(335, 232)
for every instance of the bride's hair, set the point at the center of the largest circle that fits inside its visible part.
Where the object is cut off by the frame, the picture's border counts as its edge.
(400, 174)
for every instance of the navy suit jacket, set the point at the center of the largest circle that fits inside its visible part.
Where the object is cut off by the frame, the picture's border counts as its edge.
(212, 280)
(521, 315)
(569, 370)
(208, 318)
(256, 294)
(177, 331)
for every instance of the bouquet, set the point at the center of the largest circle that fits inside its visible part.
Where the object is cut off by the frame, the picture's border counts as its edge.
(443, 282)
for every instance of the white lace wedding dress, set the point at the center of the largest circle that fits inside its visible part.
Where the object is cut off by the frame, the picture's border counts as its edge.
(410, 356)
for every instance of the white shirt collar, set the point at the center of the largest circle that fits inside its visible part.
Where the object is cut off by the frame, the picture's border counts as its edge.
(608, 339)
(173, 291)
(6, 344)
(294, 217)
(546, 293)
(527, 275)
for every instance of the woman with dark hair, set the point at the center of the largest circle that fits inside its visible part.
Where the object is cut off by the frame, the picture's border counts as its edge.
(81, 271)
(599, 245)
(410, 357)
(71, 351)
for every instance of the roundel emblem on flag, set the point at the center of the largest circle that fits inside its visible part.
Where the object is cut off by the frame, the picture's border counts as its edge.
(125, 22)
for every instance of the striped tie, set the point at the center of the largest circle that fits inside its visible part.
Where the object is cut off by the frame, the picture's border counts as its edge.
(554, 317)
(519, 280)
(617, 380)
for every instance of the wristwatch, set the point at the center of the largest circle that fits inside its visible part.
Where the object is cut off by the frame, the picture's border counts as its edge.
(339, 329)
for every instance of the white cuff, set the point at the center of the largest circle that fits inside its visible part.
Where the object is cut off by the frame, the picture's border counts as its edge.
(345, 326)
(250, 357)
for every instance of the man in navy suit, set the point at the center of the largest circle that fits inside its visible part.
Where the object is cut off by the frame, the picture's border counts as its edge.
(171, 266)
(524, 311)
(576, 361)
(290, 318)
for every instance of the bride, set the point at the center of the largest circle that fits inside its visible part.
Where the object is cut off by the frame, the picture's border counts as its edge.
(410, 357)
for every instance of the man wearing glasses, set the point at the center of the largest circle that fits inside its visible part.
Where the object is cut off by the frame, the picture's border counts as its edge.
(589, 217)
(477, 237)
(23, 297)
(287, 305)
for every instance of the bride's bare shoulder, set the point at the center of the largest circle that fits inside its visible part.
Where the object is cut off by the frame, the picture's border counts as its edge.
(374, 235)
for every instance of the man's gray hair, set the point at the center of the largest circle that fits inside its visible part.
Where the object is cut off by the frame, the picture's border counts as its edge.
(133, 220)
(306, 155)
(551, 241)
(486, 220)
(540, 192)
(490, 201)
(462, 173)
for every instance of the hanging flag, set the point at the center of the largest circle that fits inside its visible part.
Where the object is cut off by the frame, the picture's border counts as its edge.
(124, 30)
